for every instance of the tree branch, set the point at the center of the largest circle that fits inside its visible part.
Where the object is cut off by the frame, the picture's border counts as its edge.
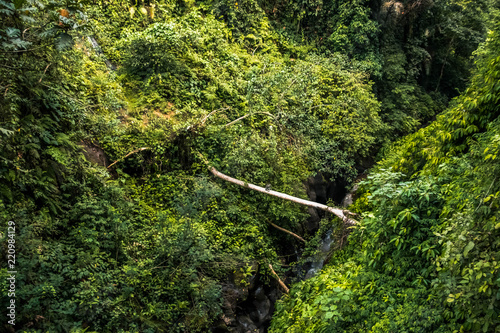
(287, 231)
(281, 283)
(247, 115)
(236, 120)
(124, 157)
(204, 119)
(45, 71)
(211, 113)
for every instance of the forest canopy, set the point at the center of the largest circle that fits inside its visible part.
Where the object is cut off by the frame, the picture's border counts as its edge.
(113, 114)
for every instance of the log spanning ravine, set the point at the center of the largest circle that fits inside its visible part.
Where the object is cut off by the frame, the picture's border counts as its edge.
(342, 214)
(336, 211)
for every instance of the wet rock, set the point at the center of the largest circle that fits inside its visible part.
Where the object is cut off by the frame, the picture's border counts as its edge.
(263, 306)
(236, 292)
(312, 222)
(316, 191)
(316, 188)
(349, 197)
(220, 326)
(247, 308)
(232, 295)
(320, 189)
(260, 294)
(246, 325)
(94, 154)
(274, 295)
(263, 310)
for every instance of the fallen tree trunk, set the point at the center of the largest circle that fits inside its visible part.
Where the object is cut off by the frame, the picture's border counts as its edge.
(336, 211)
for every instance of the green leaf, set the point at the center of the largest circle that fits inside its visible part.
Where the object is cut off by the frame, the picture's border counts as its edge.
(468, 248)
(19, 3)
(6, 131)
(65, 41)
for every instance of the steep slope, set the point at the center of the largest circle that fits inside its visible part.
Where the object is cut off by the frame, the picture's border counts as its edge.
(425, 257)
(119, 226)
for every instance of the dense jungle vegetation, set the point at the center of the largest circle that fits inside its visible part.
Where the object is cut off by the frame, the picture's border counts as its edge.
(404, 93)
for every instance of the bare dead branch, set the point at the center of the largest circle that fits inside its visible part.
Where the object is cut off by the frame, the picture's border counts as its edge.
(45, 71)
(124, 157)
(287, 231)
(24, 31)
(281, 283)
(211, 113)
(236, 120)
(247, 115)
(6, 89)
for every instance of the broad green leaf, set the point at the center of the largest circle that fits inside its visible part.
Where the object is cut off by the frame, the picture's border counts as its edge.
(469, 247)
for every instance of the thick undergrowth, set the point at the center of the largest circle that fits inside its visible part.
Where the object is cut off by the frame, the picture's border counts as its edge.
(105, 110)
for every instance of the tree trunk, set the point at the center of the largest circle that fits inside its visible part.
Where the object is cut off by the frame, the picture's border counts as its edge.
(336, 211)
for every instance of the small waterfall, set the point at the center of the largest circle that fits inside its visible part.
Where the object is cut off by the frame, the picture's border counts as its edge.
(314, 263)
(317, 261)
